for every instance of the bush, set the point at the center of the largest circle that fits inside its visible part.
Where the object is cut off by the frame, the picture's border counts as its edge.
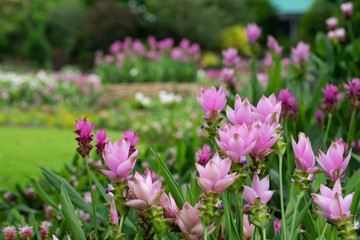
(234, 36)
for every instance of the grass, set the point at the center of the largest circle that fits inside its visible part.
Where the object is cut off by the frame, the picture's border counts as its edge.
(23, 150)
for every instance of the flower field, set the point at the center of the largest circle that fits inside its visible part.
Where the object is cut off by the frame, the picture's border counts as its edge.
(263, 146)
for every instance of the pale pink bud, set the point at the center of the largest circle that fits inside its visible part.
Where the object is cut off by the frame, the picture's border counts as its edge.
(170, 208)
(248, 228)
(214, 176)
(331, 35)
(304, 155)
(258, 189)
(26, 232)
(10, 233)
(227, 75)
(268, 60)
(212, 102)
(204, 157)
(230, 57)
(273, 45)
(340, 34)
(333, 162)
(241, 113)
(332, 23)
(277, 226)
(115, 47)
(252, 32)
(301, 53)
(347, 10)
(113, 211)
(87, 197)
(263, 78)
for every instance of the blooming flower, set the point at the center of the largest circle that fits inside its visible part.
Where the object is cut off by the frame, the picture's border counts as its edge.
(252, 32)
(144, 192)
(332, 23)
(268, 60)
(10, 233)
(236, 142)
(277, 226)
(301, 53)
(227, 75)
(330, 99)
(113, 211)
(333, 162)
(347, 9)
(189, 222)
(83, 130)
(204, 157)
(241, 113)
(263, 78)
(265, 109)
(248, 228)
(304, 155)
(214, 176)
(258, 189)
(289, 104)
(131, 138)
(115, 47)
(340, 34)
(101, 139)
(26, 232)
(230, 57)
(319, 116)
(170, 208)
(353, 91)
(332, 202)
(116, 157)
(212, 102)
(273, 45)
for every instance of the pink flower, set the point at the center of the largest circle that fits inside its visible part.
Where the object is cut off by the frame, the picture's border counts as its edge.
(10, 233)
(331, 94)
(266, 107)
(268, 60)
(332, 23)
(236, 142)
(214, 176)
(289, 104)
(248, 228)
(113, 211)
(152, 42)
(204, 157)
(301, 53)
(340, 34)
(212, 102)
(26, 232)
(304, 155)
(252, 32)
(55, 238)
(347, 9)
(331, 35)
(83, 130)
(241, 113)
(212, 73)
(285, 61)
(230, 57)
(131, 138)
(263, 78)
(115, 47)
(139, 47)
(144, 192)
(319, 116)
(101, 139)
(273, 45)
(87, 197)
(333, 162)
(227, 75)
(331, 201)
(265, 135)
(166, 43)
(185, 43)
(189, 222)
(170, 208)
(353, 87)
(116, 157)
(277, 226)
(258, 189)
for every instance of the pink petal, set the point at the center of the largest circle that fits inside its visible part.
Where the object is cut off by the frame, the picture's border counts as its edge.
(249, 195)
(136, 203)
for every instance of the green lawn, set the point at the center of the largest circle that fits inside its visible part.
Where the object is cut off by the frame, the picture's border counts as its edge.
(23, 150)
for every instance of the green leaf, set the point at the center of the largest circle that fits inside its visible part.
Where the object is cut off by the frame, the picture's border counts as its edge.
(354, 180)
(229, 219)
(356, 198)
(42, 194)
(139, 236)
(69, 213)
(275, 75)
(100, 187)
(300, 216)
(33, 223)
(190, 197)
(130, 224)
(174, 187)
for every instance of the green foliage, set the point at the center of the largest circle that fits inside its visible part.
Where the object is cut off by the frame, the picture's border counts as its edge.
(234, 36)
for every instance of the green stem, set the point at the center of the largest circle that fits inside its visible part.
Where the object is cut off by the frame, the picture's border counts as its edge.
(92, 197)
(282, 198)
(263, 235)
(327, 129)
(352, 127)
(240, 212)
(205, 232)
(298, 199)
(288, 141)
(350, 29)
(323, 233)
(122, 220)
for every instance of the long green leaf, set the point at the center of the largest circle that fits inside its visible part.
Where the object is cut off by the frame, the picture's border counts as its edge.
(42, 194)
(353, 181)
(139, 236)
(356, 198)
(300, 215)
(174, 187)
(33, 223)
(229, 219)
(100, 187)
(69, 213)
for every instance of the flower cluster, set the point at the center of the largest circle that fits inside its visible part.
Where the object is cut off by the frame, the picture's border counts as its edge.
(289, 104)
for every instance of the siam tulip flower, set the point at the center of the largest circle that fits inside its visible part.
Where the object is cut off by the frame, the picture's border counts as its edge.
(252, 32)
(263, 78)
(331, 94)
(332, 202)
(170, 208)
(55, 238)
(332, 23)
(227, 75)
(340, 34)
(194, 48)
(301, 53)
(26, 232)
(265, 135)
(341, 142)
(230, 57)
(113, 211)
(138, 47)
(9, 196)
(165, 44)
(144, 192)
(189, 222)
(241, 113)
(319, 116)
(347, 10)
(101, 139)
(87, 197)
(109, 58)
(83, 130)
(258, 189)
(126, 44)
(285, 61)
(248, 229)
(185, 43)
(152, 42)
(273, 45)
(44, 230)
(212, 102)
(30, 193)
(204, 157)
(178, 54)
(131, 138)
(236, 142)
(116, 157)
(115, 47)
(353, 92)
(151, 173)
(268, 60)
(289, 104)
(214, 176)
(212, 73)
(333, 163)
(277, 226)
(265, 109)
(10, 233)
(304, 155)
(331, 35)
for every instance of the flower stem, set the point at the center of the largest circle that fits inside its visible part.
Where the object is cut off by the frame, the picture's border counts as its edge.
(323, 233)
(263, 235)
(350, 29)
(290, 163)
(351, 128)
(298, 199)
(240, 213)
(122, 220)
(205, 232)
(282, 198)
(327, 129)
(92, 197)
